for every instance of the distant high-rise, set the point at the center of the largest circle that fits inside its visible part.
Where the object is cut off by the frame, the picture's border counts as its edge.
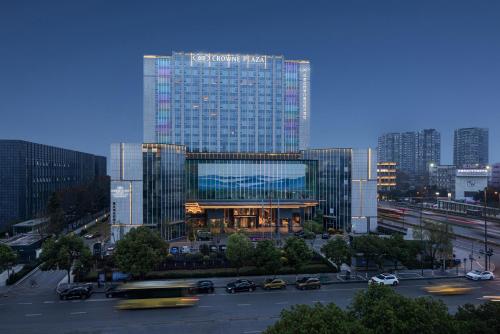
(470, 147)
(412, 152)
(214, 102)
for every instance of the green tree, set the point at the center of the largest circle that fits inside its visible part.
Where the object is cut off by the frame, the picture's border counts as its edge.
(337, 250)
(397, 249)
(239, 250)
(267, 257)
(297, 253)
(55, 214)
(7, 258)
(316, 319)
(437, 238)
(313, 226)
(381, 310)
(372, 247)
(139, 251)
(64, 253)
(484, 318)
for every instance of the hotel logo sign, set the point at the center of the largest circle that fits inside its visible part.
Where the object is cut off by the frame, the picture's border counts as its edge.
(226, 58)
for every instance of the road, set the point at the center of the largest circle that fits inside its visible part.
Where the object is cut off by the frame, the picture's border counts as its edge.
(220, 312)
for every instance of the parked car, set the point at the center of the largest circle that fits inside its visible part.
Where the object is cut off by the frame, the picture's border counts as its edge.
(204, 286)
(477, 275)
(384, 279)
(306, 283)
(240, 286)
(222, 248)
(88, 236)
(273, 283)
(213, 248)
(185, 250)
(114, 292)
(299, 234)
(81, 292)
(174, 250)
(325, 236)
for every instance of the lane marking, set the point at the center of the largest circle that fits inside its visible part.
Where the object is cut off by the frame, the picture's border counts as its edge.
(252, 332)
(281, 303)
(80, 312)
(33, 314)
(205, 306)
(25, 303)
(100, 300)
(244, 304)
(49, 302)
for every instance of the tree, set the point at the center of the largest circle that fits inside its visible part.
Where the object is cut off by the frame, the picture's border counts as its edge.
(268, 257)
(313, 226)
(239, 250)
(484, 318)
(7, 258)
(338, 251)
(381, 310)
(316, 319)
(56, 215)
(396, 249)
(372, 247)
(438, 239)
(140, 251)
(64, 253)
(297, 253)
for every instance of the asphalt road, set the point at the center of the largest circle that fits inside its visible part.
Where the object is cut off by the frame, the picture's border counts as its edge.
(41, 311)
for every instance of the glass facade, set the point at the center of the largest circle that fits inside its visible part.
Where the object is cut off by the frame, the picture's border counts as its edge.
(233, 179)
(31, 172)
(227, 102)
(334, 184)
(163, 188)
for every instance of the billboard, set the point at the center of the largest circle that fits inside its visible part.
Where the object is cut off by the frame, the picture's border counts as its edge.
(265, 176)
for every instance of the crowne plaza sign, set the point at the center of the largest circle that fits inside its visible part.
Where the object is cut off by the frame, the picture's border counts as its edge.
(228, 58)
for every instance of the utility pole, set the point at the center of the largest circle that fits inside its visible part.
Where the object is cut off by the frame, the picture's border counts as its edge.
(485, 232)
(421, 238)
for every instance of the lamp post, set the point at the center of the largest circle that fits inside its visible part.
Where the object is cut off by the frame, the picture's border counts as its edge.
(485, 232)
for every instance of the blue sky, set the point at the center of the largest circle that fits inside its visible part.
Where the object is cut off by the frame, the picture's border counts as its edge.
(71, 71)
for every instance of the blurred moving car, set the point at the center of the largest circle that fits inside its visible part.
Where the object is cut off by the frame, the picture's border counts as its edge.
(80, 292)
(384, 279)
(448, 289)
(306, 283)
(273, 283)
(477, 275)
(240, 286)
(204, 286)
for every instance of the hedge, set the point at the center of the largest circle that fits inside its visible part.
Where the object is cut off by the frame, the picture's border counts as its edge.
(21, 273)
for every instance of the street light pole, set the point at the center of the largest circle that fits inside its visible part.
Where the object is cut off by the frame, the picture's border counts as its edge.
(485, 233)
(421, 239)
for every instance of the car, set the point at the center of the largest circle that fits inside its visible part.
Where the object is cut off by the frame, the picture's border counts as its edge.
(222, 248)
(477, 275)
(185, 250)
(306, 283)
(299, 234)
(75, 292)
(113, 292)
(204, 286)
(240, 286)
(273, 283)
(384, 279)
(325, 236)
(448, 289)
(213, 248)
(88, 236)
(174, 250)
(110, 250)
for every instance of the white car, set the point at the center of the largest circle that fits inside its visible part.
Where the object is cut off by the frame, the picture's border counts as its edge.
(89, 236)
(384, 279)
(477, 275)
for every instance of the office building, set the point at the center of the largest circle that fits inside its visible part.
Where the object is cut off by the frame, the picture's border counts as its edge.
(386, 176)
(470, 148)
(412, 152)
(227, 148)
(213, 102)
(442, 177)
(31, 172)
(495, 176)
(469, 182)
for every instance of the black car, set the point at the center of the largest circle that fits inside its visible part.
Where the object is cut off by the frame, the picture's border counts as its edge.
(325, 236)
(306, 283)
(240, 286)
(114, 292)
(300, 234)
(222, 248)
(76, 292)
(205, 286)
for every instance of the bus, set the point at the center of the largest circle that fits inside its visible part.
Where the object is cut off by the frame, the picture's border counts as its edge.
(155, 294)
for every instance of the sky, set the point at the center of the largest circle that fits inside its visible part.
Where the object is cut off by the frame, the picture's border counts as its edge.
(71, 71)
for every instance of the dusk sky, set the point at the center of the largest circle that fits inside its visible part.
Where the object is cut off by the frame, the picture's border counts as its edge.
(71, 71)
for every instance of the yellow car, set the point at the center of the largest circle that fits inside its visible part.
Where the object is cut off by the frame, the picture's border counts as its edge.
(274, 283)
(446, 289)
